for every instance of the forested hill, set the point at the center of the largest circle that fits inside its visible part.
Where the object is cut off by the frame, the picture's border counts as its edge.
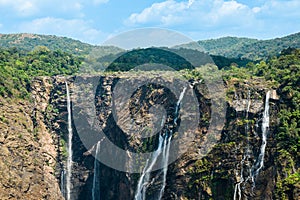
(252, 49)
(27, 42)
(225, 46)
(230, 47)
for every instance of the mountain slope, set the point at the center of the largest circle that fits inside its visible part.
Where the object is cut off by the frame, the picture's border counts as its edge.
(265, 48)
(233, 47)
(226, 45)
(230, 47)
(28, 42)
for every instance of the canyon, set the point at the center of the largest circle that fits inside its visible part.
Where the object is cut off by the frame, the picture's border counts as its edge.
(35, 143)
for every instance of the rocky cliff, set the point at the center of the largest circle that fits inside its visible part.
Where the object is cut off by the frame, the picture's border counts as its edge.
(33, 142)
(28, 147)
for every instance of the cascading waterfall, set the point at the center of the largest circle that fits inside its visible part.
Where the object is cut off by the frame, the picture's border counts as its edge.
(166, 152)
(167, 145)
(164, 148)
(70, 151)
(96, 181)
(144, 179)
(264, 129)
(247, 123)
(62, 183)
(237, 189)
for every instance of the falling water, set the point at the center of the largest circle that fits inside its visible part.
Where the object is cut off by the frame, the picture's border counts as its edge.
(165, 159)
(165, 150)
(70, 153)
(96, 181)
(264, 129)
(144, 179)
(238, 189)
(62, 183)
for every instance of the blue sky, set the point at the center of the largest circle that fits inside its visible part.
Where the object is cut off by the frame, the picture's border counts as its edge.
(94, 21)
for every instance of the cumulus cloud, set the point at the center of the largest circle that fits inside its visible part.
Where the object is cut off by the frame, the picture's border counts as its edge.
(160, 12)
(206, 12)
(226, 16)
(75, 28)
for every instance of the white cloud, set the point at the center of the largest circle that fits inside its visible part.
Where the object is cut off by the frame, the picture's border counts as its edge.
(256, 9)
(280, 8)
(75, 28)
(161, 12)
(206, 12)
(227, 16)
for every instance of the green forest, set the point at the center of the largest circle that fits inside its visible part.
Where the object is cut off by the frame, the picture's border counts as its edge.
(19, 67)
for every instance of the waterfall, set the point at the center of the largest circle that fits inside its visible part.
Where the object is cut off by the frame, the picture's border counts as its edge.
(96, 181)
(264, 129)
(62, 183)
(165, 160)
(70, 153)
(144, 179)
(164, 149)
(237, 189)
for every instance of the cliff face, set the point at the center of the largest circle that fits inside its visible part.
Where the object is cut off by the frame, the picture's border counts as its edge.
(33, 143)
(231, 169)
(28, 154)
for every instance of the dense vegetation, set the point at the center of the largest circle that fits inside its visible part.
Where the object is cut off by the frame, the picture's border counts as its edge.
(28, 42)
(17, 68)
(230, 47)
(252, 49)
(286, 71)
(139, 57)
(225, 46)
(267, 48)
(176, 59)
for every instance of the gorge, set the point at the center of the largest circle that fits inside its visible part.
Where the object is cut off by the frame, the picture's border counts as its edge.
(188, 177)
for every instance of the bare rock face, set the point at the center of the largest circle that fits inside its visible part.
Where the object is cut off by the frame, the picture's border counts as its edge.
(241, 105)
(274, 95)
(27, 154)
